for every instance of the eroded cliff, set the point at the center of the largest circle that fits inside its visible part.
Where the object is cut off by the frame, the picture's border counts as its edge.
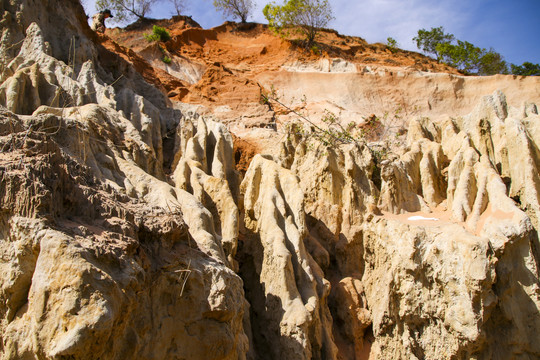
(126, 230)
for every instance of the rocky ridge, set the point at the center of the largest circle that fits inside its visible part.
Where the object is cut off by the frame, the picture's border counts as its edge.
(128, 232)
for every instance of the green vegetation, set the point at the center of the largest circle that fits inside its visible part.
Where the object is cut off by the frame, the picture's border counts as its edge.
(527, 69)
(240, 9)
(166, 55)
(334, 134)
(492, 63)
(126, 10)
(427, 41)
(392, 45)
(158, 34)
(463, 55)
(467, 57)
(305, 17)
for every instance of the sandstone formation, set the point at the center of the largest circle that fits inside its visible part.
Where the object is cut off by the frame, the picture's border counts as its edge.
(206, 170)
(288, 291)
(101, 257)
(225, 69)
(127, 232)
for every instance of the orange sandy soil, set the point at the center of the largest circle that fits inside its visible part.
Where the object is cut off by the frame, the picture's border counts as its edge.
(444, 217)
(233, 54)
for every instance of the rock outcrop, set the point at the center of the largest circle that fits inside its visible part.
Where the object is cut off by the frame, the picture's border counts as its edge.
(495, 225)
(456, 277)
(286, 287)
(126, 231)
(206, 170)
(97, 259)
(101, 257)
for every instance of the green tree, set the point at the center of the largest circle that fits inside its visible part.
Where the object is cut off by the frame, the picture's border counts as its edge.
(472, 59)
(127, 10)
(158, 34)
(304, 16)
(527, 69)
(492, 63)
(464, 56)
(240, 9)
(427, 41)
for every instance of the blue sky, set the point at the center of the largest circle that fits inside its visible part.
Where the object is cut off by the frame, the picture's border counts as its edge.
(512, 28)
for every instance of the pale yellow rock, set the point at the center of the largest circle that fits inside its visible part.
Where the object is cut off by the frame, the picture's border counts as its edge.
(339, 195)
(351, 312)
(414, 181)
(293, 316)
(205, 168)
(127, 272)
(412, 307)
(102, 255)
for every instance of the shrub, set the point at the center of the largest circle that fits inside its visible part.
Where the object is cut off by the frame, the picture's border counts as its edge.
(179, 6)
(158, 34)
(166, 59)
(427, 41)
(392, 44)
(304, 16)
(472, 59)
(463, 55)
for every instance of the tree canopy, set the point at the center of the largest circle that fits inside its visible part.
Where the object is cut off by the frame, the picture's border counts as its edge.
(471, 59)
(427, 41)
(306, 16)
(527, 69)
(127, 10)
(462, 55)
(240, 9)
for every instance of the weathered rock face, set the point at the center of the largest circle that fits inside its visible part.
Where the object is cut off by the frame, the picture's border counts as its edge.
(481, 253)
(206, 170)
(93, 265)
(287, 291)
(432, 289)
(101, 258)
(125, 230)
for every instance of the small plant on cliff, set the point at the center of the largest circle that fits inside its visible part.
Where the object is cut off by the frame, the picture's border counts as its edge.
(166, 59)
(306, 17)
(333, 133)
(158, 34)
(392, 45)
(126, 10)
(379, 133)
(240, 9)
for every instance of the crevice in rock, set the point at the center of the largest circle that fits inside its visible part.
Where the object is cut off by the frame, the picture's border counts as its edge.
(250, 254)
